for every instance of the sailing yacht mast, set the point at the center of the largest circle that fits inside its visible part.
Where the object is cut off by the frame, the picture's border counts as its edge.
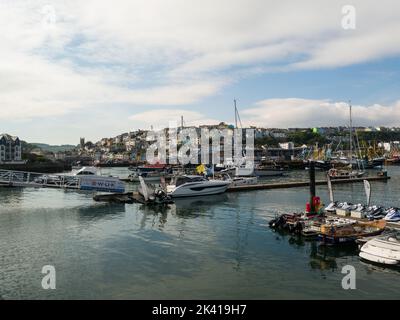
(351, 135)
(236, 112)
(237, 116)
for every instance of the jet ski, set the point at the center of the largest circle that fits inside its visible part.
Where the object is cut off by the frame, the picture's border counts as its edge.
(331, 207)
(393, 215)
(375, 213)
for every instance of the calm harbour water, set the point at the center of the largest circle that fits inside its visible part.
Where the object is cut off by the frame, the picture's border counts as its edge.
(217, 247)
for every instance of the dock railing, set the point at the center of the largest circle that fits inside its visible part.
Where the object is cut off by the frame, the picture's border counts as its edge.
(31, 179)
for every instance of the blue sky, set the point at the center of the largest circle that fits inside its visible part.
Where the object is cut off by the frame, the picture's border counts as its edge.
(96, 69)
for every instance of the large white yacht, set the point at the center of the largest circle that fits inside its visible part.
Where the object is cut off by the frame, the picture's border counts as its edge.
(191, 186)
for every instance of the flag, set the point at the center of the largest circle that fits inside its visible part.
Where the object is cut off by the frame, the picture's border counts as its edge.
(201, 169)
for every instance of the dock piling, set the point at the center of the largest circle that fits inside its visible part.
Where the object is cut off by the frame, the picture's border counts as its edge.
(312, 185)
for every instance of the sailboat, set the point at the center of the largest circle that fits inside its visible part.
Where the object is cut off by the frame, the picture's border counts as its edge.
(244, 168)
(348, 173)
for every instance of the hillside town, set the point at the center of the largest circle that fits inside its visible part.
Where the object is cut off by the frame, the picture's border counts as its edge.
(270, 144)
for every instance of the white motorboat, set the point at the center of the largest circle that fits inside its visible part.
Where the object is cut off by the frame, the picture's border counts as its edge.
(258, 171)
(239, 181)
(243, 181)
(383, 250)
(85, 171)
(192, 186)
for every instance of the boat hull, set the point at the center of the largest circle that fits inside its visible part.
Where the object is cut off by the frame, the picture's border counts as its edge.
(382, 250)
(268, 173)
(195, 190)
(378, 259)
(332, 240)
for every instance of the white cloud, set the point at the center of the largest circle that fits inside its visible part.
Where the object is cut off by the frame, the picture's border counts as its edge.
(157, 53)
(162, 118)
(295, 112)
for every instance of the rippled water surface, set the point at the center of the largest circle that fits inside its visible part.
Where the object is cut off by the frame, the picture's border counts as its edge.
(217, 247)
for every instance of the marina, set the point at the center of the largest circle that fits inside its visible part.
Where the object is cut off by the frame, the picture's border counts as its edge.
(183, 246)
(212, 154)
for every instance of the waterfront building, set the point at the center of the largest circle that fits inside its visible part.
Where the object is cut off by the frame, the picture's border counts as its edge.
(10, 149)
(82, 143)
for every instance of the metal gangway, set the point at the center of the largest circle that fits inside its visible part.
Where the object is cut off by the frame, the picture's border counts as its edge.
(37, 180)
(12, 178)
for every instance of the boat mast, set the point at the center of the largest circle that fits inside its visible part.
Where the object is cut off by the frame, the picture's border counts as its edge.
(351, 135)
(234, 102)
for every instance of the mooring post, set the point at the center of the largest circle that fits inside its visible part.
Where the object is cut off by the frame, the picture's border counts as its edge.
(312, 185)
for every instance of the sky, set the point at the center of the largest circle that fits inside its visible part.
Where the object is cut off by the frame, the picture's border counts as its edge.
(95, 68)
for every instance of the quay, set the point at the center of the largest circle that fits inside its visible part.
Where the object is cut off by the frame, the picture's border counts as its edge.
(10, 178)
(286, 185)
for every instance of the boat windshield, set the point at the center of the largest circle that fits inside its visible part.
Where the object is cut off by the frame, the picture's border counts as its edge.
(85, 173)
(186, 179)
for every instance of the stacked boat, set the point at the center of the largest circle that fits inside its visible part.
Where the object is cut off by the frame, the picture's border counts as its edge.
(374, 212)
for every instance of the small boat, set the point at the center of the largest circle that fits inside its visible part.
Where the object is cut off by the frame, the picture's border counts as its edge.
(345, 174)
(149, 168)
(150, 176)
(251, 171)
(243, 181)
(192, 186)
(295, 222)
(238, 181)
(153, 195)
(323, 165)
(268, 171)
(349, 232)
(363, 240)
(376, 163)
(383, 250)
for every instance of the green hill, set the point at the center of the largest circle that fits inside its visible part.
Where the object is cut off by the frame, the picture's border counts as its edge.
(50, 148)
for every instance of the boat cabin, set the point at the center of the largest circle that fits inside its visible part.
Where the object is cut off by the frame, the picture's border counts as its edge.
(86, 171)
(180, 180)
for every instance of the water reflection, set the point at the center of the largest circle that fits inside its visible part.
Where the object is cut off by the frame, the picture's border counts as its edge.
(10, 196)
(326, 257)
(193, 207)
(157, 214)
(372, 267)
(100, 211)
(292, 239)
(321, 257)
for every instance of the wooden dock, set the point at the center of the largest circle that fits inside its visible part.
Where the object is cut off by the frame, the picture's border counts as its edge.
(286, 185)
